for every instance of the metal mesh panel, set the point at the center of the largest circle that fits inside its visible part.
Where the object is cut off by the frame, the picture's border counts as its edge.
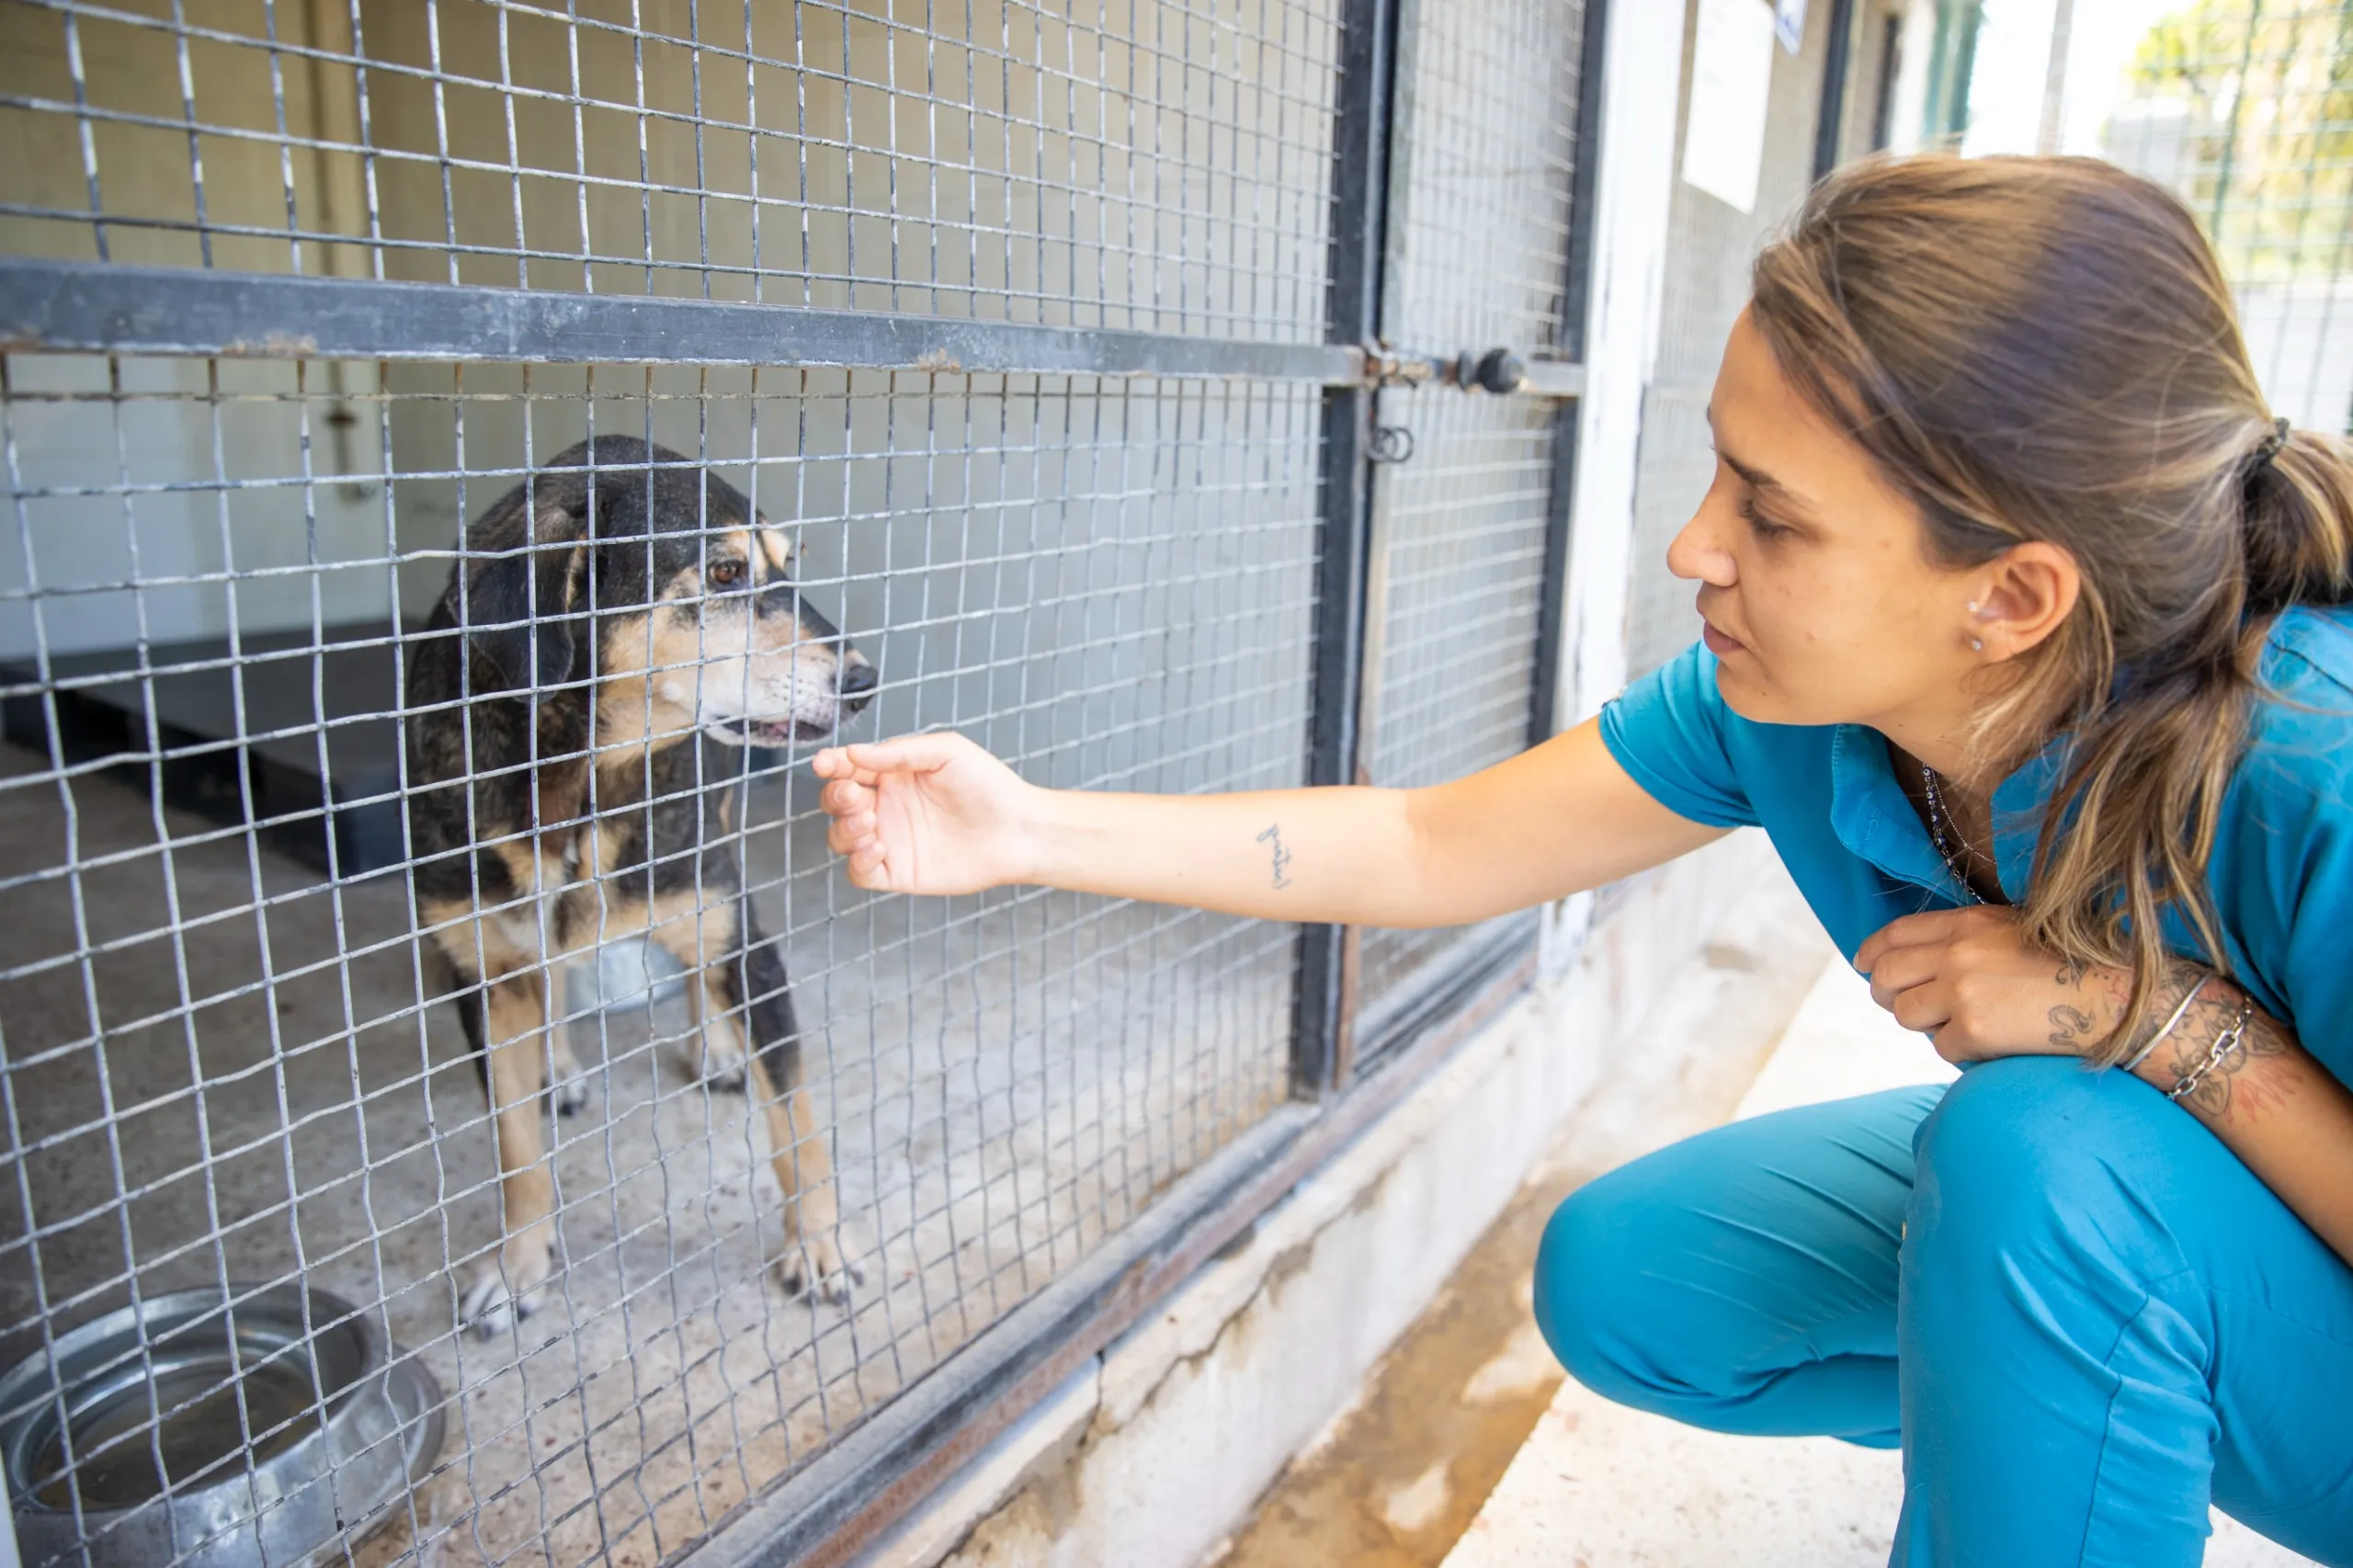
(1123, 163)
(1486, 112)
(370, 941)
(1464, 564)
(1478, 259)
(2247, 111)
(228, 1061)
(1709, 247)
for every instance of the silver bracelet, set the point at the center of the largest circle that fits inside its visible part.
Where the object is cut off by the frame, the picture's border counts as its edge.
(2224, 1043)
(2179, 1014)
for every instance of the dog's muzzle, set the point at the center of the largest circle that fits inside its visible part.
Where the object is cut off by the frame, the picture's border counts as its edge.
(852, 688)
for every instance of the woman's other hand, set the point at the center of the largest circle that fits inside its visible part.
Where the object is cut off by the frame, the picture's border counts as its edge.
(925, 815)
(1967, 979)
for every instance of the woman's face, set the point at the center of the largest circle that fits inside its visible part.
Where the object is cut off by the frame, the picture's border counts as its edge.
(1821, 603)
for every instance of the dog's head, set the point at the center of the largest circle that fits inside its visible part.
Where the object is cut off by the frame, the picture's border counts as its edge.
(623, 565)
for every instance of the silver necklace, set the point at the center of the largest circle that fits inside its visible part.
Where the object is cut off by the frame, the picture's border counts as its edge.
(1939, 821)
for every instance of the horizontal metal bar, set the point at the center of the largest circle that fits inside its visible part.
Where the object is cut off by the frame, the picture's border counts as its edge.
(138, 310)
(95, 308)
(824, 1515)
(1553, 378)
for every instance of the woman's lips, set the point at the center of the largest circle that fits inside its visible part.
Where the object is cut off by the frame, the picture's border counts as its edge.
(1718, 643)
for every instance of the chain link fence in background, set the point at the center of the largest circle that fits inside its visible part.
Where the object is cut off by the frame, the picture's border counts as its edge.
(2245, 109)
(1020, 322)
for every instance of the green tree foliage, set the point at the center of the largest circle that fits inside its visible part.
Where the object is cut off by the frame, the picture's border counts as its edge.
(2265, 96)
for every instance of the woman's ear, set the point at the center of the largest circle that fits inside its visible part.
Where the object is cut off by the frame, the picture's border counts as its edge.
(2023, 596)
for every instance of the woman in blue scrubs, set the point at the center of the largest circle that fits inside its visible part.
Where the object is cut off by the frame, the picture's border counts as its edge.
(2022, 643)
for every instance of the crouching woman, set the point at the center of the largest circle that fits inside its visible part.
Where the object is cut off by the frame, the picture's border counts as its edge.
(2022, 641)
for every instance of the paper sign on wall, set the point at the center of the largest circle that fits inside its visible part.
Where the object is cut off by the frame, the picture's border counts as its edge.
(1732, 73)
(1789, 24)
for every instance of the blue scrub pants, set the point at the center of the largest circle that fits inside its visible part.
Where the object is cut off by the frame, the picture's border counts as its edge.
(2080, 1316)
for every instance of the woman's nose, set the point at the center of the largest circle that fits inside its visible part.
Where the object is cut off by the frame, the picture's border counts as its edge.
(1695, 555)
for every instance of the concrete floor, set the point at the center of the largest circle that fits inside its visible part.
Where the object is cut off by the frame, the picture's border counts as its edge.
(1007, 1079)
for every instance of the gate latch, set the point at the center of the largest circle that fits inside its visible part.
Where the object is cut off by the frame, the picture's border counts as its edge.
(1497, 371)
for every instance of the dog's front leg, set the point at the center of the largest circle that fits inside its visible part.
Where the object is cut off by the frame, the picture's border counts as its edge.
(568, 1084)
(508, 1287)
(719, 1056)
(743, 981)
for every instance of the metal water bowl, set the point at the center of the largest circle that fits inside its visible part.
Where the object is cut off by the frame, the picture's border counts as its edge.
(260, 1424)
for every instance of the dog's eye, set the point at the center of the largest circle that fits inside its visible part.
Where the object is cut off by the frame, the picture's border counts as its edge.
(726, 573)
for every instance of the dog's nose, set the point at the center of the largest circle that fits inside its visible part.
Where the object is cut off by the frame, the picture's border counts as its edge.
(857, 683)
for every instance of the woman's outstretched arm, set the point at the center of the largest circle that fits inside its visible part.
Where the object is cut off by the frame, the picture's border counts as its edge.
(937, 815)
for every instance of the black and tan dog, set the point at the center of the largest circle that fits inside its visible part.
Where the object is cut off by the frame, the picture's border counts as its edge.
(607, 616)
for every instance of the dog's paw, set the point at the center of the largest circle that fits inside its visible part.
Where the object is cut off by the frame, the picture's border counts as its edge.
(570, 1094)
(567, 1084)
(718, 1062)
(816, 1266)
(507, 1288)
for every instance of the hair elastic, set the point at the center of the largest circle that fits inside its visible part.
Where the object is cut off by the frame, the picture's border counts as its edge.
(2268, 448)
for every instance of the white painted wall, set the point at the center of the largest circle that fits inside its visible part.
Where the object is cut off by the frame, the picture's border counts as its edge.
(1632, 195)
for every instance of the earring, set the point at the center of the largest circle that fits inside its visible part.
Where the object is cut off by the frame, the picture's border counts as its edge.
(1977, 644)
(1972, 607)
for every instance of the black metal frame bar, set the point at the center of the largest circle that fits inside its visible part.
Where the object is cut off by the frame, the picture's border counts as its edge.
(102, 307)
(1829, 126)
(1360, 227)
(99, 308)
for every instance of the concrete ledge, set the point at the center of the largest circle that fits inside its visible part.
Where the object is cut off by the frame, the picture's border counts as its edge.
(1152, 1454)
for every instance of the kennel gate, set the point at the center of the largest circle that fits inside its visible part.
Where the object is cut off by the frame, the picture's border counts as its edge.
(1171, 396)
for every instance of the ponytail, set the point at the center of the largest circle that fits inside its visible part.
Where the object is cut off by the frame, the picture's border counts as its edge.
(2298, 519)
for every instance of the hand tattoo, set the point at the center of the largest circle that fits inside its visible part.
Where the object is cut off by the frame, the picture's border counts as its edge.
(2070, 1029)
(1274, 836)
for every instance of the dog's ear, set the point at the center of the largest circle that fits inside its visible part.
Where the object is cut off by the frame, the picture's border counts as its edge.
(521, 600)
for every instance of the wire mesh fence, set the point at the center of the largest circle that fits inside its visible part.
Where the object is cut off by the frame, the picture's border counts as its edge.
(2246, 111)
(1459, 576)
(1128, 163)
(225, 1066)
(422, 946)
(1463, 538)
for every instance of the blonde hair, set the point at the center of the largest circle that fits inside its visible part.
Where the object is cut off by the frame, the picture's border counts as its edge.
(2045, 349)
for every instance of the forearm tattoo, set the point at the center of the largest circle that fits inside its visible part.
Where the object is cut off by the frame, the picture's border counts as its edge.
(2229, 1086)
(1273, 836)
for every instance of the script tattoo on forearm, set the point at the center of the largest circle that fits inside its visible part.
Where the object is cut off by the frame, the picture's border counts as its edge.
(1273, 836)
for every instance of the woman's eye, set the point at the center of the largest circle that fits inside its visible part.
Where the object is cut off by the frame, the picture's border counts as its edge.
(726, 573)
(1763, 526)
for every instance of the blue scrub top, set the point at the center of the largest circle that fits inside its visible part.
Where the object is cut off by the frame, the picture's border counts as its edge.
(2282, 868)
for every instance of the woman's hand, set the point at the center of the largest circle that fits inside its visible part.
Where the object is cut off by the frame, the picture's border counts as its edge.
(925, 815)
(1967, 979)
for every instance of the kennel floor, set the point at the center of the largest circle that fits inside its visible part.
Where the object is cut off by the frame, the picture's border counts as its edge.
(1007, 1079)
